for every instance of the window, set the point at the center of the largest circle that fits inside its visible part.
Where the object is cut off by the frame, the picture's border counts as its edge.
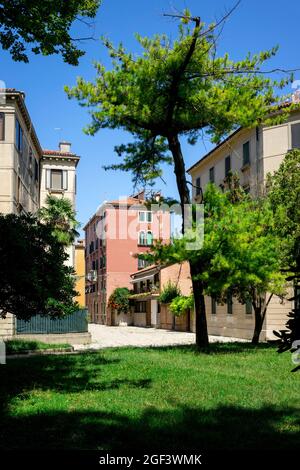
(213, 306)
(142, 263)
(19, 136)
(145, 216)
(198, 186)
(295, 128)
(149, 238)
(140, 307)
(57, 180)
(212, 175)
(142, 238)
(246, 153)
(36, 170)
(146, 238)
(227, 165)
(229, 304)
(2, 126)
(248, 307)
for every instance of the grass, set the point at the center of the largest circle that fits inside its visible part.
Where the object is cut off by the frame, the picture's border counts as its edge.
(235, 397)
(15, 346)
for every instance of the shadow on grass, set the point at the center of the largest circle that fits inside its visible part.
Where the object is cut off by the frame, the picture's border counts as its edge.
(92, 426)
(181, 428)
(218, 348)
(63, 374)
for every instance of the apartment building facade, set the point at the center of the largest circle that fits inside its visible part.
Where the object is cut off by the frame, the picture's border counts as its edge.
(27, 172)
(79, 267)
(20, 156)
(115, 235)
(252, 154)
(58, 178)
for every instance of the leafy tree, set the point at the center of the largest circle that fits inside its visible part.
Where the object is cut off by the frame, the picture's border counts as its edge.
(254, 258)
(284, 195)
(177, 89)
(34, 278)
(60, 215)
(45, 25)
(240, 254)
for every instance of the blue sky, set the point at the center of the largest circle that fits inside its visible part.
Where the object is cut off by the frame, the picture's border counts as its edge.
(256, 25)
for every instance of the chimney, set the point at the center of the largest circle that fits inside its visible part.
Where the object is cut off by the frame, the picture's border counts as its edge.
(65, 147)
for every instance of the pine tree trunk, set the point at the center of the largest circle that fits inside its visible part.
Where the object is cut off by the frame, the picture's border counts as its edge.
(202, 340)
(198, 291)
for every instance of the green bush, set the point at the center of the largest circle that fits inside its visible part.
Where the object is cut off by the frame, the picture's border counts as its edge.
(181, 304)
(119, 300)
(169, 292)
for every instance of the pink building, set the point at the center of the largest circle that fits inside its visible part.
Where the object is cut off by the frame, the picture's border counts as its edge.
(115, 235)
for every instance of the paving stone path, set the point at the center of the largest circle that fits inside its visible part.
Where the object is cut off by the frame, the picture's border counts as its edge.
(118, 336)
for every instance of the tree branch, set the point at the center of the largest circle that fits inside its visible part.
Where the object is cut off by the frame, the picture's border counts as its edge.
(179, 72)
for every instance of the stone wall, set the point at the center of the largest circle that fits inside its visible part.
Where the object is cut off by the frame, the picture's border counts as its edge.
(7, 326)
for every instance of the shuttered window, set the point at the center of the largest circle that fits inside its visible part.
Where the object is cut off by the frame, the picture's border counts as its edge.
(246, 153)
(2, 126)
(248, 307)
(229, 304)
(213, 306)
(227, 165)
(198, 186)
(295, 136)
(57, 180)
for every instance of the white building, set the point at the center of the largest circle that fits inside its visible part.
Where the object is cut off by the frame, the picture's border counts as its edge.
(28, 173)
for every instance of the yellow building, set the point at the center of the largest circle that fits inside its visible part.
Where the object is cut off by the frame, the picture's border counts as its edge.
(80, 272)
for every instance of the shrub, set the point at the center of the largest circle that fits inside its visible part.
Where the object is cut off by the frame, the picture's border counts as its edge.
(169, 292)
(119, 300)
(181, 304)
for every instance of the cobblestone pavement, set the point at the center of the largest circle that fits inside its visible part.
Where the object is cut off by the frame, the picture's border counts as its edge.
(118, 336)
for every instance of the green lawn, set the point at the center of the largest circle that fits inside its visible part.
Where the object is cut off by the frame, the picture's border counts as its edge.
(15, 346)
(236, 397)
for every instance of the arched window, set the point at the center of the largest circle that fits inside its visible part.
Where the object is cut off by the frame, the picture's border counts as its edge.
(142, 238)
(149, 238)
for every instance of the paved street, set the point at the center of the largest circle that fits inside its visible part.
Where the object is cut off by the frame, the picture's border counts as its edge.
(118, 336)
